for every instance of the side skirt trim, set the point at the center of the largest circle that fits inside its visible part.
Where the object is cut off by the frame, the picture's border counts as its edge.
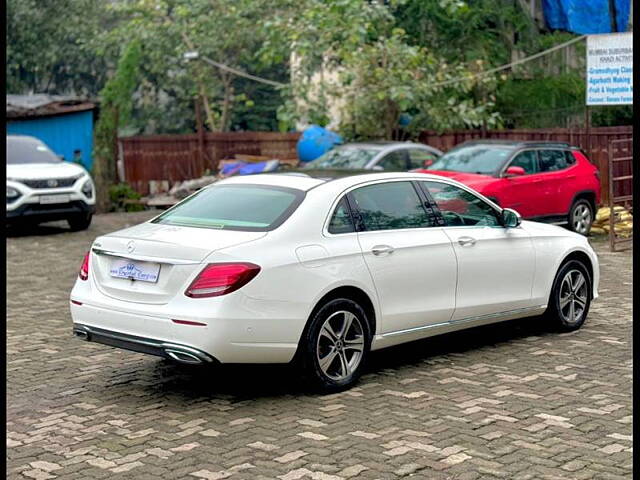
(479, 318)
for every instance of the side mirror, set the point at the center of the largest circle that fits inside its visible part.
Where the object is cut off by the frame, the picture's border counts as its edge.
(428, 162)
(510, 218)
(514, 171)
(378, 168)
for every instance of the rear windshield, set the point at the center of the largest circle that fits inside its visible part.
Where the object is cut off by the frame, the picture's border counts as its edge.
(29, 151)
(255, 208)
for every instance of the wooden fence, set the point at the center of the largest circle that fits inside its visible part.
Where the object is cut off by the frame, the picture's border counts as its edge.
(180, 157)
(175, 158)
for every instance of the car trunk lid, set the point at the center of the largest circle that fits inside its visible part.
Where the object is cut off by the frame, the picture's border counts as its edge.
(171, 253)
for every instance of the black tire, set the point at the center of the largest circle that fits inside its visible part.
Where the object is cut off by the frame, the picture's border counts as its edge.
(559, 313)
(581, 216)
(316, 346)
(80, 222)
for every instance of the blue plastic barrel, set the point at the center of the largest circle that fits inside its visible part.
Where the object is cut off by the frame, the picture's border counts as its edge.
(315, 141)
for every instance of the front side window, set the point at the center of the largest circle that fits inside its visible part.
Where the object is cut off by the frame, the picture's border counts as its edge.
(341, 221)
(526, 160)
(235, 207)
(552, 160)
(419, 158)
(389, 206)
(394, 161)
(461, 208)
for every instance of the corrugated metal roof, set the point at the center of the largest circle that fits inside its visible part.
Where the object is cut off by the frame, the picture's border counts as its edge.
(39, 105)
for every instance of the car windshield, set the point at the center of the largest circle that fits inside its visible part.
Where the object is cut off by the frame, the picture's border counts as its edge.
(481, 159)
(343, 157)
(20, 150)
(235, 207)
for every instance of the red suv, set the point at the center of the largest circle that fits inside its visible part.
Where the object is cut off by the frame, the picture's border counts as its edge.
(543, 181)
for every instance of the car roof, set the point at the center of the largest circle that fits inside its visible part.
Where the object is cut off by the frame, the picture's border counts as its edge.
(301, 181)
(515, 143)
(378, 144)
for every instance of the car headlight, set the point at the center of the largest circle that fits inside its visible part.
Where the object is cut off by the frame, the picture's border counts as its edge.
(12, 194)
(87, 188)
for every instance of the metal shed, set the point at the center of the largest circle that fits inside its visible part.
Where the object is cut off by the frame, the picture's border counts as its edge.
(64, 123)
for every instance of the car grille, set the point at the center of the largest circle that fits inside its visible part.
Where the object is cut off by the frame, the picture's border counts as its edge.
(50, 182)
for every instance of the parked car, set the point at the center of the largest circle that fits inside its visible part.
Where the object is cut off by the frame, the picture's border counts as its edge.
(543, 181)
(353, 158)
(280, 268)
(41, 187)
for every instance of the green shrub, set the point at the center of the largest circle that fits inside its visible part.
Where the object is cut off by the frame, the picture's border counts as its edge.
(121, 192)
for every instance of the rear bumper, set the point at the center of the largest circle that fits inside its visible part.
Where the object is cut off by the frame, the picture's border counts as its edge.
(223, 339)
(174, 351)
(42, 213)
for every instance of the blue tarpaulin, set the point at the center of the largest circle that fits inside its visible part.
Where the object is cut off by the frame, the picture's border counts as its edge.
(586, 16)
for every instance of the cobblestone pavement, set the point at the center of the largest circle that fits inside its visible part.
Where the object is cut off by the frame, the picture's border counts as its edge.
(505, 401)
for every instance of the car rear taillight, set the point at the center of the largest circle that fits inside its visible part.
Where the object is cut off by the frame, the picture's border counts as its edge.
(84, 269)
(221, 278)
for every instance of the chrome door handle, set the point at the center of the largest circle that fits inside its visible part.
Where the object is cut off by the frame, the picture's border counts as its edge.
(382, 250)
(464, 241)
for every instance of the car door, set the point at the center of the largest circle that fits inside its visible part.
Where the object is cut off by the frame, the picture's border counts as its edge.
(409, 256)
(553, 170)
(526, 193)
(495, 264)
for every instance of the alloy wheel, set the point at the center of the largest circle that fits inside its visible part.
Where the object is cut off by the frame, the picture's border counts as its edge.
(581, 220)
(340, 345)
(573, 296)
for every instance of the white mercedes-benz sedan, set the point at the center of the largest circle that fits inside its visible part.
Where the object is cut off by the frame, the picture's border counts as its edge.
(277, 268)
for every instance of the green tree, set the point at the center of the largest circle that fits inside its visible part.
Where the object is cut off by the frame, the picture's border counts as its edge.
(372, 71)
(115, 110)
(227, 31)
(51, 46)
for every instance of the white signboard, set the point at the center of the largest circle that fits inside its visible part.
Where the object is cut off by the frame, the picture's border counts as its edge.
(610, 69)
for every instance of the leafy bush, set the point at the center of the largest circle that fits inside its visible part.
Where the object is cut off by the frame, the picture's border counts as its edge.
(121, 192)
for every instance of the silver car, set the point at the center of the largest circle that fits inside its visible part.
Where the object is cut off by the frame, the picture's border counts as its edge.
(376, 156)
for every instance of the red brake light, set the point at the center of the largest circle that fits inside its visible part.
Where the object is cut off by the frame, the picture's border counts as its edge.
(84, 269)
(221, 278)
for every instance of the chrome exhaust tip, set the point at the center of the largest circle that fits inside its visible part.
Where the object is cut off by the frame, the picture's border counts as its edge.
(182, 357)
(82, 333)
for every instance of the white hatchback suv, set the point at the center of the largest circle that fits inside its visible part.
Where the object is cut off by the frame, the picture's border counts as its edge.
(41, 187)
(275, 268)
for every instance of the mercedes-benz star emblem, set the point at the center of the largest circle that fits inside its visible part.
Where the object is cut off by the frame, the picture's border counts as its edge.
(131, 246)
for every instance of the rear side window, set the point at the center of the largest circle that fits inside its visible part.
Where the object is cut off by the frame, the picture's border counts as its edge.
(570, 158)
(389, 206)
(552, 160)
(341, 221)
(235, 207)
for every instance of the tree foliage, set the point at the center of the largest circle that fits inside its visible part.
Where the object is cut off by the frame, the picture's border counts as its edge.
(369, 67)
(115, 110)
(51, 46)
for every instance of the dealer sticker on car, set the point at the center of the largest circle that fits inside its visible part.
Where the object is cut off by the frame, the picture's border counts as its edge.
(144, 271)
